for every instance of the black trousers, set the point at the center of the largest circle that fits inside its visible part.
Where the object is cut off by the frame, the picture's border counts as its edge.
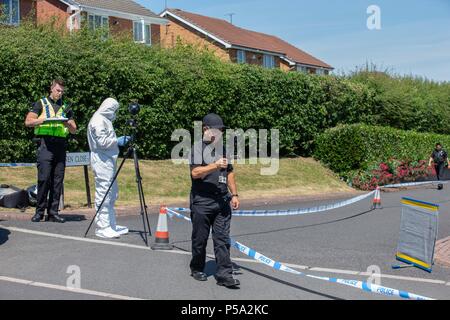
(51, 164)
(439, 167)
(218, 218)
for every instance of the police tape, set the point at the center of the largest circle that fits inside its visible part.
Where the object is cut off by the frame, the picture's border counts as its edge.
(412, 184)
(292, 212)
(17, 164)
(365, 286)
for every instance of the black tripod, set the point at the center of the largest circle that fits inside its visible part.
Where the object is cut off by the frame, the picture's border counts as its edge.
(130, 152)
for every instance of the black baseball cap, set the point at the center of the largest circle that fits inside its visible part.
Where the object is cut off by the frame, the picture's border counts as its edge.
(213, 121)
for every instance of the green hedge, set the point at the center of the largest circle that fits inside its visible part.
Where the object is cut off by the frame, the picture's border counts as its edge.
(175, 88)
(178, 86)
(407, 102)
(354, 147)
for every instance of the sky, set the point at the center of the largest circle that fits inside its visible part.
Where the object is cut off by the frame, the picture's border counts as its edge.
(413, 39)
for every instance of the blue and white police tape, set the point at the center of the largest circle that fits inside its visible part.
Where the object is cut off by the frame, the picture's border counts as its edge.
(17, 164)
(292, 212)
(412, 184)
(365, 286)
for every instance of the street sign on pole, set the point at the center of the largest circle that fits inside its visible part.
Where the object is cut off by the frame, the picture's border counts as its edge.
(78, 159)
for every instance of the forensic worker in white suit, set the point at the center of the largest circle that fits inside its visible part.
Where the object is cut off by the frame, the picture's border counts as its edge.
(104, 146)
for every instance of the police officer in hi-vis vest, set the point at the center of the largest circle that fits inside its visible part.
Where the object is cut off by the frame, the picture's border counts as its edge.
(52, 123)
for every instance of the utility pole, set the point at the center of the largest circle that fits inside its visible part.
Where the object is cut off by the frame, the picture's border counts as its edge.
(231, 16)
(165, 4)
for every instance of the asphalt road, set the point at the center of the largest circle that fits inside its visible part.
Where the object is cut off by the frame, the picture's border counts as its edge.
(37, 260)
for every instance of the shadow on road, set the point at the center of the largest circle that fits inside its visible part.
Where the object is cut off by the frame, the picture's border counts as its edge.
(291, 284)
(289, 228)
(73, 217)
(304, 227)
(4, 235)
(210, 270)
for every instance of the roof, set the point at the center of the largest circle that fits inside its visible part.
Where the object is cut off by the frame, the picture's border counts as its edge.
(239, 37)
(124, 6)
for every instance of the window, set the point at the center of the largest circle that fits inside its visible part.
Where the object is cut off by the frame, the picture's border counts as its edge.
(302, 69)
(10, 12)
(269, 61)
(241, 56)
(97, 22)
(142, 32)
(320, 71)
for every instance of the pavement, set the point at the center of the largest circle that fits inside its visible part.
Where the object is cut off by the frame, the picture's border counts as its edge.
(48, 260)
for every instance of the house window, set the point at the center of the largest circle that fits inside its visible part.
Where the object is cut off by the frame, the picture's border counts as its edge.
(320, 71)
(142, 32)
(97, 22)
(269, 61)
(240, 58)
(10, 12)
(302, 69)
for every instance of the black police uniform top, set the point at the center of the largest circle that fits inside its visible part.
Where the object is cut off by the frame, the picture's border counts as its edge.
(213, 187)
(439, 156)
(37, 108)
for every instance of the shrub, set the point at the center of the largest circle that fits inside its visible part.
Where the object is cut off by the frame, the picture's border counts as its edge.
(394, 172)
(175, 87)
(356, 147)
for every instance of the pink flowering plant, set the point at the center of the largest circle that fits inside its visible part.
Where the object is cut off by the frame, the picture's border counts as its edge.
(390, 172)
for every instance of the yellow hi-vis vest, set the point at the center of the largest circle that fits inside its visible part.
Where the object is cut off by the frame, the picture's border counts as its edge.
(54, 129)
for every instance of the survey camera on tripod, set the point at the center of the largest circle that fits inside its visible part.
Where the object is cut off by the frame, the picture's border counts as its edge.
(133, 108)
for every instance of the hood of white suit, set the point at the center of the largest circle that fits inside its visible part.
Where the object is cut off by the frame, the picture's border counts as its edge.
(109, 108)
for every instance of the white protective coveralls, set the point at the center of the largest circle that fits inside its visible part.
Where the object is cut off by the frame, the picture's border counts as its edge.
(104, 152)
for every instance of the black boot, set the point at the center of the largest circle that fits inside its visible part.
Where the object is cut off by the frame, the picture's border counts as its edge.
(55, 218)
(229, 282)
(37, 217)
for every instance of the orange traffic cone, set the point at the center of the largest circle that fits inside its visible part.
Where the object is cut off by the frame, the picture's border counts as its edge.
(162, 232)
(377, 199)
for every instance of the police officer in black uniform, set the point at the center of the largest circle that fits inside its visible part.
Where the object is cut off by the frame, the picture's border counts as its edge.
(52, 122)
(213, 196)
(439, 157)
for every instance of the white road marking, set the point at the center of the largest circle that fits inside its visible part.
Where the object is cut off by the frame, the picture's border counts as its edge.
(66, 289)
(294, 266)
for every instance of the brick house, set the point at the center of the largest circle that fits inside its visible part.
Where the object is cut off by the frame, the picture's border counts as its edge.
(117, 16)
(235, 44)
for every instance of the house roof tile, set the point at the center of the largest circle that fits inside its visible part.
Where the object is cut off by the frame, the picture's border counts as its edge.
(124, 6)
(236, 36)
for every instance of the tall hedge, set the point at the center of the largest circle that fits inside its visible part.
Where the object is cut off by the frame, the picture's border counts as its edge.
(353, 147)
(174, 87)
(407, 102)
(177, 86)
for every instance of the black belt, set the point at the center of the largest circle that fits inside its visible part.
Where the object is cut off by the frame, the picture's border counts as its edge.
(210, 194)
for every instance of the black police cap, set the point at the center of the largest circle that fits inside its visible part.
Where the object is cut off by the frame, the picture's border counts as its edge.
(213, 121)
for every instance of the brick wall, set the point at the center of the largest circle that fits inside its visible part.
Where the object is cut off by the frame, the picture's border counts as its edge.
(254, 58)
(27, 9)
(175, 30)
(156, 34)
(120, 26)
(285, 66)
(47, 10)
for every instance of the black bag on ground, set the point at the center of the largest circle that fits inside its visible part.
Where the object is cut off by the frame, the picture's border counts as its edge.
(13, 197)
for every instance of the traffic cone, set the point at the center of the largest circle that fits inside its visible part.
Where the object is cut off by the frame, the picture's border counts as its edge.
(162, 232)
(377, 199)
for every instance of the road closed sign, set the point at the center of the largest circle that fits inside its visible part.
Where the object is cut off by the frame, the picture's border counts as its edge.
(77, 159)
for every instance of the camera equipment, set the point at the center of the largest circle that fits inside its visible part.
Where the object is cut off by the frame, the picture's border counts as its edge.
(134, 109)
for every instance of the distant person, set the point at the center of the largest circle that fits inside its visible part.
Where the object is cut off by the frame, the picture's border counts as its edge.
(439, 158)
(52, 121)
